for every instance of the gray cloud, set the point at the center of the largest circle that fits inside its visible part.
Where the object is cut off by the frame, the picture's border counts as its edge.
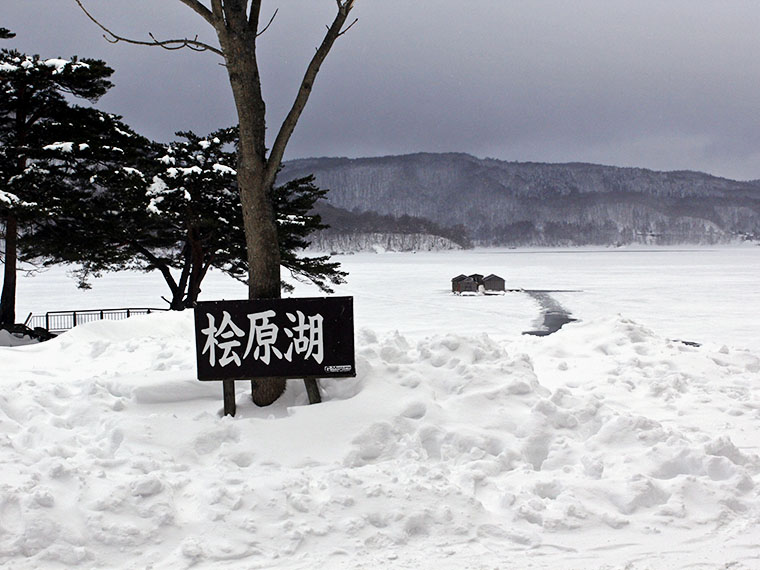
(659, 84)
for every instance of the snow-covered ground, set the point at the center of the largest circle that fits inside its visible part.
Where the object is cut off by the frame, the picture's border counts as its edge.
(460, 444)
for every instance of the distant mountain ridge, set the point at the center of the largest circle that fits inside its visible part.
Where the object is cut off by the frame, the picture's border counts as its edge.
(526, 203)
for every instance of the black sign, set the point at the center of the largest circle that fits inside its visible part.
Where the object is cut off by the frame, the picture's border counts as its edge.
(290, 338)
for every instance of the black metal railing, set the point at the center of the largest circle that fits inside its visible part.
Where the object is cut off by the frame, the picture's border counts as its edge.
(60, 321)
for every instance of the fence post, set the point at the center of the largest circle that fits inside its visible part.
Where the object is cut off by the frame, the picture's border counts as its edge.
(47, 322)
(73, 318)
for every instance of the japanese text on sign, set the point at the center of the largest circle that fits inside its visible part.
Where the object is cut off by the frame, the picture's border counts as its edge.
(260, 338)
(224, 342)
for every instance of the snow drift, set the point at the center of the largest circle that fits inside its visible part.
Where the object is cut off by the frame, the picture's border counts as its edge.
(602, 446)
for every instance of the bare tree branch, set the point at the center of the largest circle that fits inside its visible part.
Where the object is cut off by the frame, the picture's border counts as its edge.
(269, 24)
(216, 10)
(173, 44)
(198, 8)
(158, 264)
(289, 124)
(255, 14)
(351, 25)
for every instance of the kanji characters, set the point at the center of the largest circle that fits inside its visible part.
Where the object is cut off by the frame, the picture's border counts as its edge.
(306, 335)
(262, 334)
(305, 338)
(213, 334)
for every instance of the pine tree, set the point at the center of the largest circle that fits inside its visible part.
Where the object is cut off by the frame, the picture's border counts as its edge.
(192, 198)
(33, 107)
(197, 202)
(171, 208)
(196, 199)
(293, 204)
(78, 220)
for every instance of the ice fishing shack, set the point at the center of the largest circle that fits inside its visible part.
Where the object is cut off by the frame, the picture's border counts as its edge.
(477, 284)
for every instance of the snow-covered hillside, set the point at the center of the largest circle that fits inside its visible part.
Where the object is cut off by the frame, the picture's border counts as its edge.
(380, 242)
(523, 203)
(460, 444)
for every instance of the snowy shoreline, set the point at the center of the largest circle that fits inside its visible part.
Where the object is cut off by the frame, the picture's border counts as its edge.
(460, 444)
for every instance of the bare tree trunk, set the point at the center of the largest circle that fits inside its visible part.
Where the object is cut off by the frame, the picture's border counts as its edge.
(8, 298)
(237, 33)
(178, 300)
(236, 23)
(258, 215)
(198, 267)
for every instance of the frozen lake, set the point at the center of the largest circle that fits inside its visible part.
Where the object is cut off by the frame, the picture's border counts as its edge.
(696, 294)
(461, 443)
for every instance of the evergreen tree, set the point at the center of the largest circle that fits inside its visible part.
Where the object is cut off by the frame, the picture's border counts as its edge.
(33, 111)
(293, 204)
(196, 204)
(176, 207)
(79, 221)
(192, 200)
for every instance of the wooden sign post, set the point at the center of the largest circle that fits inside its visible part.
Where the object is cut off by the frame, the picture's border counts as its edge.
(305, 338)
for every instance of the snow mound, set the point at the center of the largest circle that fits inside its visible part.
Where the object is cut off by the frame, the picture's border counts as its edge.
(10, 339)
(444, 452)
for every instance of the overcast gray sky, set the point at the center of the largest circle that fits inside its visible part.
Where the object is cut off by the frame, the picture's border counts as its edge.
(661, 84)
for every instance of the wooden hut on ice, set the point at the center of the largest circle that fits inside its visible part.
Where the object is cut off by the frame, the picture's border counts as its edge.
(463, 284)
(476, 283)
(494, 284)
